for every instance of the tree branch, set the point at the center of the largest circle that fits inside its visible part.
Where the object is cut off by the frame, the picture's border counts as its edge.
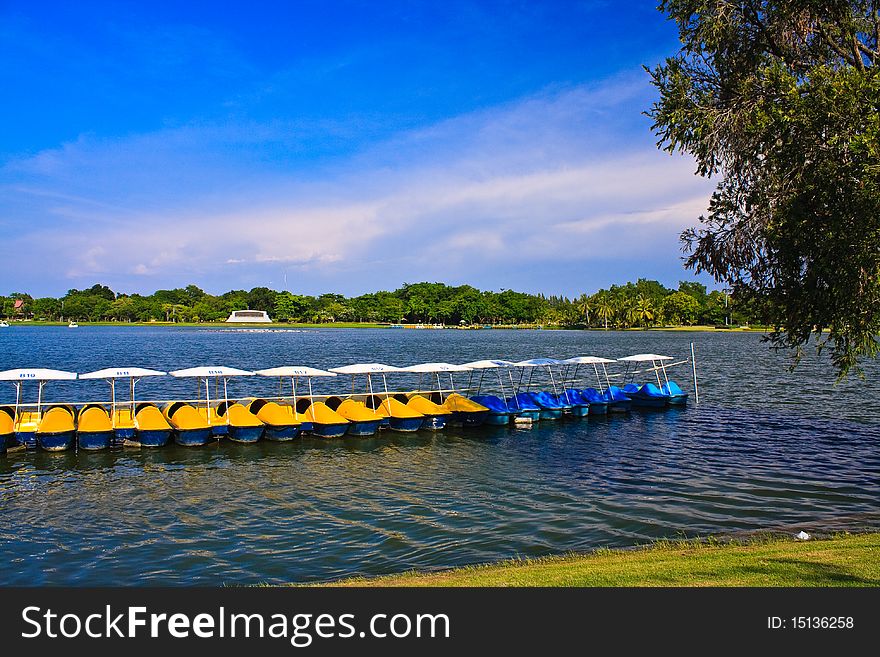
(847, 57)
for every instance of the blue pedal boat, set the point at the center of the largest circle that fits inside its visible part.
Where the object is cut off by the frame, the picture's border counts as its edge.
(677, 396)
(528, 409)
(579, 405)
(618, 401)
(650, 395)
(500, 413)
(599, 404)
(551, 409)
(646, 396)
(598, 398)
(502, 410)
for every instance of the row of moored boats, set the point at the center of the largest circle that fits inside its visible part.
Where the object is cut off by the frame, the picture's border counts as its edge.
(517, 396)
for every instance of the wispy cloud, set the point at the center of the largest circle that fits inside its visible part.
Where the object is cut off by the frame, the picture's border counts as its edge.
(557, 182)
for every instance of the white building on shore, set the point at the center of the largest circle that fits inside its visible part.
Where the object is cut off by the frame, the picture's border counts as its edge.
(250, 316)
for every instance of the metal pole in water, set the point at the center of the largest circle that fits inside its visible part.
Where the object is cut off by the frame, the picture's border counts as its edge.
(694, 367)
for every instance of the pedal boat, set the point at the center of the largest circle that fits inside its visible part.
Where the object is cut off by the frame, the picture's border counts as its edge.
(649, 395)
(435, 415)
(190, 428)
(322, 421)
(362, 421)
(57, 429)
(122, 413)
(242, 425)
(326, 423)
(646, 396)
(618, 401)
(550, 407)
(579, 406)
(215, 415)
(465, 412)
(430, 403)
(7, 428)
(528, 409)
(677, 396)
(599, 399)
(27, 422)
(500, 413)
(396, 415)
(283, 424)
(400, 416)
(599, 402)
(94, 429)
(151, 427)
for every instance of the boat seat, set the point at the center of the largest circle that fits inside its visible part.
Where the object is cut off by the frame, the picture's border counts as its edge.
(94, 419)
(320, 413)
(425, 406)
(672, 388)
(183, 416)
(392, 407)
(212, 415)
(239, 416)
(493, 403)
(57, 419)
(7, 425)
(276, 415)
(149, 418)
(356, 411)
(456, 403)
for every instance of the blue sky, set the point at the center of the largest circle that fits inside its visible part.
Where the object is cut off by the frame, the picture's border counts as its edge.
(336, 146)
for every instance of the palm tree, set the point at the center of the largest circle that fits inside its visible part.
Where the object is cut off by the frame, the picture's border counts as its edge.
(604, 307)
(644, 310)
(585, 305)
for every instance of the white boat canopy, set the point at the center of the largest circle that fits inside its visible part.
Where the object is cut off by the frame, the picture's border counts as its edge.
(643, 358)
(430, 368)
(488, 364)
(365, 368)
(538, 362)
(121, 373)
(210, 371)
(36, 374)
(588, 360)
(294, 370)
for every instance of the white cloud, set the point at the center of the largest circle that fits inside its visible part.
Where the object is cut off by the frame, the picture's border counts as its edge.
(570, 175)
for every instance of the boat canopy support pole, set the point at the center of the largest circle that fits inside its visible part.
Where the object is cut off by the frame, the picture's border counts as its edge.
(694, 367)
(226, 398)
(40, 398)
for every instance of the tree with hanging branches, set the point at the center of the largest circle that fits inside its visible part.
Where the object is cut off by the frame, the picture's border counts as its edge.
(780, 102)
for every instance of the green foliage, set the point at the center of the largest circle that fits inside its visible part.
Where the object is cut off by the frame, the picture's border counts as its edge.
(781, 101)
(645, 303)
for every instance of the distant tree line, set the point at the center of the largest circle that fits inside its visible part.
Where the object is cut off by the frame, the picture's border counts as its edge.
(645, 303)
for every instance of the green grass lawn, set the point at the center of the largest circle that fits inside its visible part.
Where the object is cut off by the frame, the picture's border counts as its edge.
(844, 560)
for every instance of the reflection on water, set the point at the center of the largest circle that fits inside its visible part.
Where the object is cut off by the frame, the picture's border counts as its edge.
(766, 448)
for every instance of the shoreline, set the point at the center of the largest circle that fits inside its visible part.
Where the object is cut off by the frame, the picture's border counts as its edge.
(373, 325)
(844, 559)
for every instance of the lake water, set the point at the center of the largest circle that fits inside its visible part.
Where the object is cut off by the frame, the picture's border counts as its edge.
(765, 449)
